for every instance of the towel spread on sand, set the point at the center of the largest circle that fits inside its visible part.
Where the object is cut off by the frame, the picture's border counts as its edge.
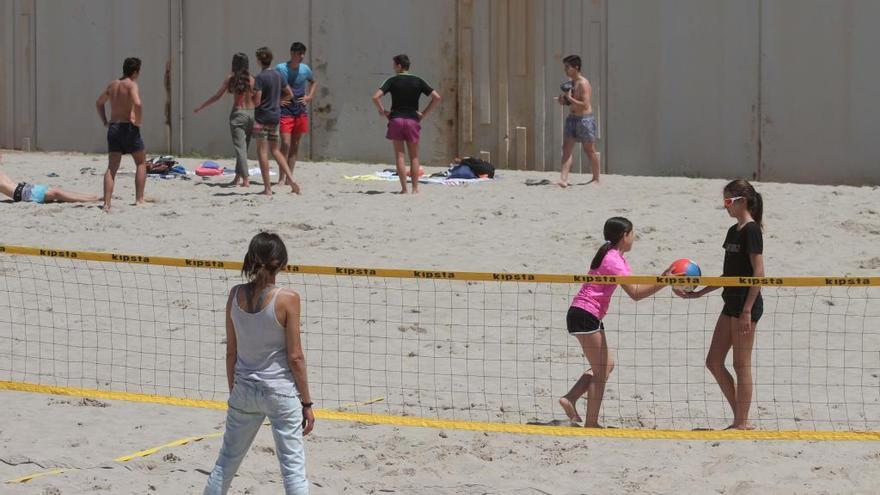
(391, 176)
(253, 171)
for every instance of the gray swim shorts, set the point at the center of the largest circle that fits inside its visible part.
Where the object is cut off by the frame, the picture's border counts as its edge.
(581, 128)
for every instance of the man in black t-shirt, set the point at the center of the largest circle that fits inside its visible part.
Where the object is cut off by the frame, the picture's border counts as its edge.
(404, 117)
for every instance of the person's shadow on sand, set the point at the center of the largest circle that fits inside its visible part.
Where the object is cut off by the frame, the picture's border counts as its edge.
(243, 193)
(553, 422)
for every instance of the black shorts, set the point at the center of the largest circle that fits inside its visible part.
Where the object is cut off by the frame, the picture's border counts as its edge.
(582, 322)
(124, 137)
(735, 300)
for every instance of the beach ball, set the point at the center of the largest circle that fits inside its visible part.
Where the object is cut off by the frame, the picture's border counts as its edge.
(685, 268)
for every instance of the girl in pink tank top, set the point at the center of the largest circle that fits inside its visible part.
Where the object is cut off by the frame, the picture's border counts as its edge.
(584, 319)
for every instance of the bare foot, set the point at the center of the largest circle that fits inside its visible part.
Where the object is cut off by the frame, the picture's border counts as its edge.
(267, 192)
(562, 184)
(294, 188)
(744, 426)
(570, 410)
(593, 425)
(245, 183)
(402, 191)
(139, 202)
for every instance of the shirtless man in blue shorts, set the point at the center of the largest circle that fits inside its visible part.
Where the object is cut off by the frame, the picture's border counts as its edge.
(580, 125)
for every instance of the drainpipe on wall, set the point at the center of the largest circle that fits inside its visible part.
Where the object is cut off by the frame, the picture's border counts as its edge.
(180, 110)
(166, 81)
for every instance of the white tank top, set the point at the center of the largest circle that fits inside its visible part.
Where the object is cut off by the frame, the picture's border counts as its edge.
(261, 346)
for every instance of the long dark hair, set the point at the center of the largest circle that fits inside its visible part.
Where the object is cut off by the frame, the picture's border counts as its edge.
(241, 75)
(754, 201)
(614, 230)
(266, 256)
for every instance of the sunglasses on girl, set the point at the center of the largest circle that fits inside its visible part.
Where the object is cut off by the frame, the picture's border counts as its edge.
(730, 201)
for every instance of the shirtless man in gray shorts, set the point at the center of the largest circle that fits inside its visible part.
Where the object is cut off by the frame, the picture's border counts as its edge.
(580, 125)
(124, 129)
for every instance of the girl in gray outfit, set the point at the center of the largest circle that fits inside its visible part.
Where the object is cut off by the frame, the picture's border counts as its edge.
(240, 84)
(266, 370)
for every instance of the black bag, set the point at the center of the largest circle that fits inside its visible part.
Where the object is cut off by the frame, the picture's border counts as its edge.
(480, 167)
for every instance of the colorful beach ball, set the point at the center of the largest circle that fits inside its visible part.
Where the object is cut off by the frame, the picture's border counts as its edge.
(685, 268)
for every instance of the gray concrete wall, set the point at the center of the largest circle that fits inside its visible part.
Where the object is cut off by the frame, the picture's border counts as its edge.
(683, 87)
(350, 45)
(7, 99)
(510, 68)
(353, 44)
(17, 61)
(780, 89)
(572, 27)
(821, 91)
(213, 31)
(81, 45)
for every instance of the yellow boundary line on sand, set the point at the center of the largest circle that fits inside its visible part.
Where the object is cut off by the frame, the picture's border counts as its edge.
(525, 429)
(449, 275)
(152, 450)
(124, 458)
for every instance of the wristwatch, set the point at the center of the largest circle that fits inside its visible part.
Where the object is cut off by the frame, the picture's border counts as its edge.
(307, 404)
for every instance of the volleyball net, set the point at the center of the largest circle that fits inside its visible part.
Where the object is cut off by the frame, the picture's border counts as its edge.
(488, 347)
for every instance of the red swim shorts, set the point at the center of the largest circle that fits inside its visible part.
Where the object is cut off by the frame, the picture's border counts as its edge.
(298, 124)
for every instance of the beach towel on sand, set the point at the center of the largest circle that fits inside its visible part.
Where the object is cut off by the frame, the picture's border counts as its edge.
(392, 177)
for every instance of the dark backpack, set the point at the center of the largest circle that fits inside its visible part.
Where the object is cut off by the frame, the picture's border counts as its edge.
(479, 167)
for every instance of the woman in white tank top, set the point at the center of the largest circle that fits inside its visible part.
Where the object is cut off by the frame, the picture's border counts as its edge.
(266, 370)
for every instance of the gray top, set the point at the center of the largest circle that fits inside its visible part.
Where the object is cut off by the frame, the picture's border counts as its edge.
(268, 110)
(262, 346)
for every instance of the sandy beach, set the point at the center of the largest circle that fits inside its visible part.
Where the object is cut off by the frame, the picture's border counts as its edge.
(502, 226)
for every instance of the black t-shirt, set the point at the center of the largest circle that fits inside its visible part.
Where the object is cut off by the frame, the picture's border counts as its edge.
(738, 245)
(405, 91)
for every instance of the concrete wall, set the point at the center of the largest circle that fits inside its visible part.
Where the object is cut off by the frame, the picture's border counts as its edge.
(821, 91)
(510, 68)
(683, 87)
(354, 43)
(17, 61)
(81, 45)
(775, 89)
(7, 100)
(213, 31)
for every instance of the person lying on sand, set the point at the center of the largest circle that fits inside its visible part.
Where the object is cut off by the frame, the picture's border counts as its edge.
(39, 193)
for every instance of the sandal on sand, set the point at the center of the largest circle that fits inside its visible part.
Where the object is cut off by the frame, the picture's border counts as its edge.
(536, 182)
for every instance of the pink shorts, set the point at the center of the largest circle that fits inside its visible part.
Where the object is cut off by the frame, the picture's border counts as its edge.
(298, 124)
(403, 129)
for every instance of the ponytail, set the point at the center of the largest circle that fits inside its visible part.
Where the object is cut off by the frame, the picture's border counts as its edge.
(266, 256)
(613, 232)
(757, 209)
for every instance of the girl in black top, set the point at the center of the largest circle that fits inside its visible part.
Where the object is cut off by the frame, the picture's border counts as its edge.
(743, 306)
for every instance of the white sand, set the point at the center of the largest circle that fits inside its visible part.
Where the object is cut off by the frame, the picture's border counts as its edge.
(504, 226)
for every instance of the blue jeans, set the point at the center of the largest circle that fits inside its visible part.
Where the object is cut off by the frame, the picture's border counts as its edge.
(249, 404)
